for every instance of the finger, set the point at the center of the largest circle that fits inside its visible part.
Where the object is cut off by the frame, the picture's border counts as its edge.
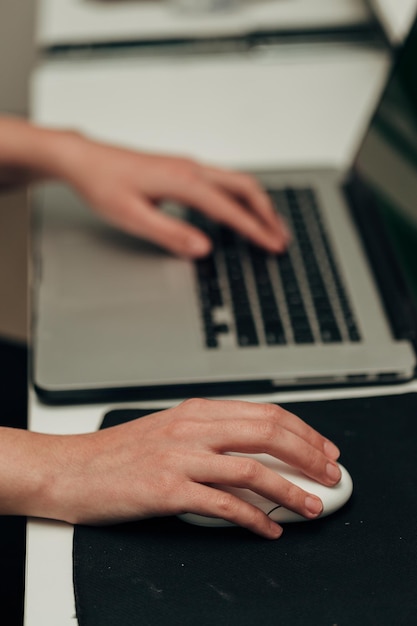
(299, 427)
(263, 416)
(284, 445)
(249, 190)
(260, 430)
(142, 219)
(211, 502)
(223, 208)
(249, 473)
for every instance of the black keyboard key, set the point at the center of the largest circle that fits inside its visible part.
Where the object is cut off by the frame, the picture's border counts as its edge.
(221, 329)
(210, 297)
(329, 330)
(303, 336)
(297, 205)
(272, 322)
(210, 292)
(246, 334)
(298, 317)
(330, 333)
(353, 332)
(274, 333)
(211, 341)
(242, 310)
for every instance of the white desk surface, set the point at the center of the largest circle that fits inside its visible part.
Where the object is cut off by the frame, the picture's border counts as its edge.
(397, 16)
(317, 105)
(86, 21)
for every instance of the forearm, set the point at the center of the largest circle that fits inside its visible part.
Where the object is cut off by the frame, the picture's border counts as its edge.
(55, 476)
(29, 153)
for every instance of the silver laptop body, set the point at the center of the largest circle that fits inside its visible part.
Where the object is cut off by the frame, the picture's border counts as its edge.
(115, 317)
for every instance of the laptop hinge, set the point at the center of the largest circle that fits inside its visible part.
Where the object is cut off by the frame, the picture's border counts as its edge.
(363, 34)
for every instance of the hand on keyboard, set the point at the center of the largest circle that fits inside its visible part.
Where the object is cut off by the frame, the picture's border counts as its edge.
(125, 187)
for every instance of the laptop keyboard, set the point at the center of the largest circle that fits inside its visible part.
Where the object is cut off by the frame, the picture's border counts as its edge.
(249, 297)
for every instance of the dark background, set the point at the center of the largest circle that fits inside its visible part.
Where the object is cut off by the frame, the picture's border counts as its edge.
(13, 385)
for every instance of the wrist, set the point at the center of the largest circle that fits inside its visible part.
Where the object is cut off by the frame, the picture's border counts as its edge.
(44, 152)
(24, 470)
(35, 474)
(63, 154)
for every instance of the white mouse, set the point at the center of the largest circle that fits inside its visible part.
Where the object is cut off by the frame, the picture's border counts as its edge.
(332, 497)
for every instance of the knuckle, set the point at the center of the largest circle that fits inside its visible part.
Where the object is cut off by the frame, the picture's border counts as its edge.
(194, 405)
(225, 504)
(249, 470)
(249, 182)
(187, 414)
(187, 169)
(178, 430)
(271, 411)
(266, 430)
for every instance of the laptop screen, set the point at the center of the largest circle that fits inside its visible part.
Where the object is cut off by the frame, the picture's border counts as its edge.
(387, 159)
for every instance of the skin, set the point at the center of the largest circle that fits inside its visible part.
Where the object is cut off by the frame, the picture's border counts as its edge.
(124, 187)
(168, 462)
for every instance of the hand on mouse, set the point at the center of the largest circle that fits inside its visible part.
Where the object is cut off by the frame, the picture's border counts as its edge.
(125, 187)
(166, 463)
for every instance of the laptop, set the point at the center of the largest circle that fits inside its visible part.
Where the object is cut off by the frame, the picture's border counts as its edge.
(116, 318)
(71, 24)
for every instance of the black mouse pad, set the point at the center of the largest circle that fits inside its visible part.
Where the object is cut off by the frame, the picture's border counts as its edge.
(358, 566)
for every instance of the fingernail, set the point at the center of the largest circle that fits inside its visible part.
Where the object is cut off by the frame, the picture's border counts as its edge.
(276, 245)
(331, 450)
(286, 231)
(313, 505)
(198, 246)
(283, 227)
(333, 472)
(275, 530)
